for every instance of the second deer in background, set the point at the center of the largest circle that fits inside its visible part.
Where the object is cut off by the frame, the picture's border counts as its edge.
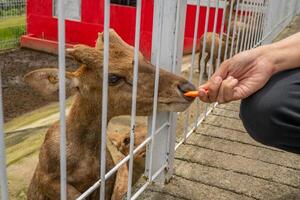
(209, 42)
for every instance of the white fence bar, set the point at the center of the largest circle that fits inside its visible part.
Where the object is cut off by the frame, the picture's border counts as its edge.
(248, 26)
(234, 27)
(134, 93)
(263, 22)
(176, 68)
(156, 85)
(211, 60)
(104, 98)
(252, 26)
(238, 42)
(246, 29)
(221, 36)
(62, 100)
(249, 33)
(3, 175)
(259, 24)
(255, 26)
(164, 13)
(212, 49)
(228, 30)
(196, 26)
(202, 62)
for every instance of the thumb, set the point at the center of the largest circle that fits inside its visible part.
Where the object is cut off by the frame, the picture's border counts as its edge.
(222, 71)
(208, 92)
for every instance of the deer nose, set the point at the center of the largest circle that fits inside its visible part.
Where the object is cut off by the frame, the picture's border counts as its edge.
(186, 87)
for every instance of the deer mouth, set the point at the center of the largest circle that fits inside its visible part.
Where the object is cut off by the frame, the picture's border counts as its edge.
(176, 106)
(182, 100)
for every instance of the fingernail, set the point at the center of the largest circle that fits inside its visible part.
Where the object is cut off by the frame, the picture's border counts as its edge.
(217, 79)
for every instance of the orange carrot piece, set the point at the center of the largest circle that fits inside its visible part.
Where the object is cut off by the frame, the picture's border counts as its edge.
(194, 93)
(191, 94)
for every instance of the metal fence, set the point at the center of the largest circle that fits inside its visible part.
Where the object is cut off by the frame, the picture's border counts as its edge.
(245, 24)
(12, 22)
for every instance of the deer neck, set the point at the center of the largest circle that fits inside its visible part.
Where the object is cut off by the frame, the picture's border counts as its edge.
(84, 123)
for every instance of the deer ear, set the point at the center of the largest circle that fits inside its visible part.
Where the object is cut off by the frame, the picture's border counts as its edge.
(99, 42)
(46, 80)
(86, 55)
(117, 42)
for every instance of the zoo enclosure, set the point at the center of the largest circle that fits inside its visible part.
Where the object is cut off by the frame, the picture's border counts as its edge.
(264, 19)
(12, 22)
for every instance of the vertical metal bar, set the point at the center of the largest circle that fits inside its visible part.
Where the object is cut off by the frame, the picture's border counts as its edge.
(163, 37)
(248, 26)
(134, 93)
(176, 68)
(213, 47)
(254, 29)
(62, 99)
(234, 27)
(187, 114)
(240, 28)
(155, 98)
(228, 30)
(251, 26)
(214, 38)
(258, 24)
(245, 30)
(261, 22)
(104, 97)
(221, 36)
(267, 22)
(202, 59)
(3, 175)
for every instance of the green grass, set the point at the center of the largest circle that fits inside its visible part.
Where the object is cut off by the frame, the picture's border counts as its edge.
(10, 31)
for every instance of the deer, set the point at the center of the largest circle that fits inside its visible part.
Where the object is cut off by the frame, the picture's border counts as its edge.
(83, 122)
(240, 25)
(209, 39)
(121, 140)
(207, 50)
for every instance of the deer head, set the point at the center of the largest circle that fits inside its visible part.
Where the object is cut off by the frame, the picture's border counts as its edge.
(87, 80)
(121, 140)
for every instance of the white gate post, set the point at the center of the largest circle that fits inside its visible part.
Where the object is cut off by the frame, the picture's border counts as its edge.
(166, 12)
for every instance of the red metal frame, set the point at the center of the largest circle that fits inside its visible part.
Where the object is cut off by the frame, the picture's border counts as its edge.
(42, 26)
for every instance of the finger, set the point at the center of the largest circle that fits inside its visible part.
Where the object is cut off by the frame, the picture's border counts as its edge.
(209, 91)
(213, 88)
(226, 91)
(203, 95)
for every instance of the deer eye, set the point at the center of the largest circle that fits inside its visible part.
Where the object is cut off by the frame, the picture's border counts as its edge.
(126, 141)
(114, 79)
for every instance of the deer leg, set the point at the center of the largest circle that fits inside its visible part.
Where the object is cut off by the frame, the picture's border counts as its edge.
(53, 190)
(121, 183)
(214, 65)
(200, 57)
(206, 61)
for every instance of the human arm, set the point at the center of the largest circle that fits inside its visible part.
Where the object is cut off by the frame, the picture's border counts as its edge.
(247, 72)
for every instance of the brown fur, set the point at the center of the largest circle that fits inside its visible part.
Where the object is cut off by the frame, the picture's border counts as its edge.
(121, 140)
(83, 124)
(209, 43)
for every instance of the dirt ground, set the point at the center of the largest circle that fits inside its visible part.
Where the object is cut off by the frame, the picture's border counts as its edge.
(18, 98)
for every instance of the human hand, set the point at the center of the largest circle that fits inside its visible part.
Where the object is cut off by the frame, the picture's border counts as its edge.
(238, 77)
